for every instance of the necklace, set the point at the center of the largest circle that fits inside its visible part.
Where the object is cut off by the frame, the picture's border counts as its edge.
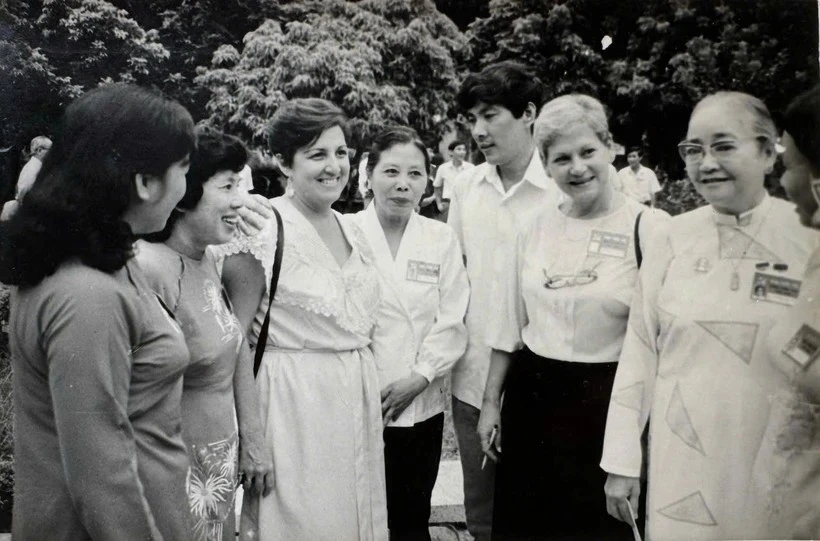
(734, 283)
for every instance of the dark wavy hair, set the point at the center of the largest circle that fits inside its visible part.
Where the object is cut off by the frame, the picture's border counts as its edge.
(86, 184)
(299, 122)
(390, 137)
(215, 152)
(802, 122)
(508, 84)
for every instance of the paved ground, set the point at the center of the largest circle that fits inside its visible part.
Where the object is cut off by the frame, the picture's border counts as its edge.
(447, 517)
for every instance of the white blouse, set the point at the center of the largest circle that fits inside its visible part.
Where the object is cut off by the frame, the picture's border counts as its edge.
(420, 323)
(575, 282)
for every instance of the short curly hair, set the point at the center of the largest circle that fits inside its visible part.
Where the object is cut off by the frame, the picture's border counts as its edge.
(299, 122)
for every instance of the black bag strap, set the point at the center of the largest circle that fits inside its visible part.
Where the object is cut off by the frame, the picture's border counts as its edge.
(637, 237)
(274, 281)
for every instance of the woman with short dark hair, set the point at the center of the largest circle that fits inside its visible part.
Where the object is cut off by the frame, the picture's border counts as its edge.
(420, 332)
(98, 359)
(219, 407)
(317, 381)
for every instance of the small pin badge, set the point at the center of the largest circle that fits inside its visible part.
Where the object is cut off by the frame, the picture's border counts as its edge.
(702, 265)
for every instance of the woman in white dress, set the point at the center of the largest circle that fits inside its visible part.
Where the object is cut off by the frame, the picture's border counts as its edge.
(318, 388)
(693, 357)
(556, 343)
(420, 332)
(787, 470)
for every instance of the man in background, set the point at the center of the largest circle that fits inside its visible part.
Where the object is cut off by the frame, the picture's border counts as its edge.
(446, 175)
(639, 182)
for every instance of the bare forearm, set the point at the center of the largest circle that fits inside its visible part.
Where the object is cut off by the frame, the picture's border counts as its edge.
(499, 366)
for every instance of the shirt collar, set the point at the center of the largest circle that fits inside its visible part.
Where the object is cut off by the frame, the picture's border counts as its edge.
(535, 174)
(752, 215)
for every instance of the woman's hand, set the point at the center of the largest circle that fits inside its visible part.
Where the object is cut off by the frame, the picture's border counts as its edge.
(618, 490)
(489, 421)
(399, 394)
(256, 467)
(254, 214)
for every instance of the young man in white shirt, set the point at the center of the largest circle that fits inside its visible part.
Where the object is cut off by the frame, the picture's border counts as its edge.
(446, 175)
(639, 182)
(490, 205)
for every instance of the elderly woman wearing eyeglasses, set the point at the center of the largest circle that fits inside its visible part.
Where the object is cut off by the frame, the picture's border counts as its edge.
(556, 343)
(694, 357)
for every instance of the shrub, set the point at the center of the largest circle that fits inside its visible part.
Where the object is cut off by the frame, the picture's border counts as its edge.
(6, 417)
(679, 196)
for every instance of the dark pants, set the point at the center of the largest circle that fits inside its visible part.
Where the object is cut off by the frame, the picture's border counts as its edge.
(411, 459)
(478, 481)
(549, 484)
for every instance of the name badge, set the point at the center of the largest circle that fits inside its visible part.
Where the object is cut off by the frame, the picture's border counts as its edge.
(804, 346)
(777, 289)
(421, 271)
(608, 244)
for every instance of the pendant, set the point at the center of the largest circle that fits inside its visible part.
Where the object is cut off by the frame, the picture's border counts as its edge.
(735, 283)
(702, 265)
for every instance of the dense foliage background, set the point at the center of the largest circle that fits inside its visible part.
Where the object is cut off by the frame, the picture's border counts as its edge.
(232, 62)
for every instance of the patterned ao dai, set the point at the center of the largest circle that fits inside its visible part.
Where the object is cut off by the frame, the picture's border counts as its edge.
(192, 290)
(694, 357)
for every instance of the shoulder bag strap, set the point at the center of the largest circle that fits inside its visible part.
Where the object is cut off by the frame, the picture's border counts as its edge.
(274, 281)
(637, 237)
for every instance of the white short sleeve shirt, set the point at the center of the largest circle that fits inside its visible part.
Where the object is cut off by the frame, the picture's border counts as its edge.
(487, 220)
(641, 185)
(576, 281)
(446, 175)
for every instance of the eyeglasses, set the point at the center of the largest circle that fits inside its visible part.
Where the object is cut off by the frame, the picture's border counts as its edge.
(559, 281)
(694, 153)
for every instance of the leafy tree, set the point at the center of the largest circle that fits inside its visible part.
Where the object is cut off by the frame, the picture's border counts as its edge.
(685, 50)
(54, 50)
(382, 61)
(192, 30)
(463, 12)
(543, 35)
(665, 55)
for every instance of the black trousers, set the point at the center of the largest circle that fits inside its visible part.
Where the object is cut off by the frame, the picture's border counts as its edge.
(549, 484)
(411, 460)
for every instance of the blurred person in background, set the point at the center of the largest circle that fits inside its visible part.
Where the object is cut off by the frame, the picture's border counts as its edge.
(446, 174)
(639, 182)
